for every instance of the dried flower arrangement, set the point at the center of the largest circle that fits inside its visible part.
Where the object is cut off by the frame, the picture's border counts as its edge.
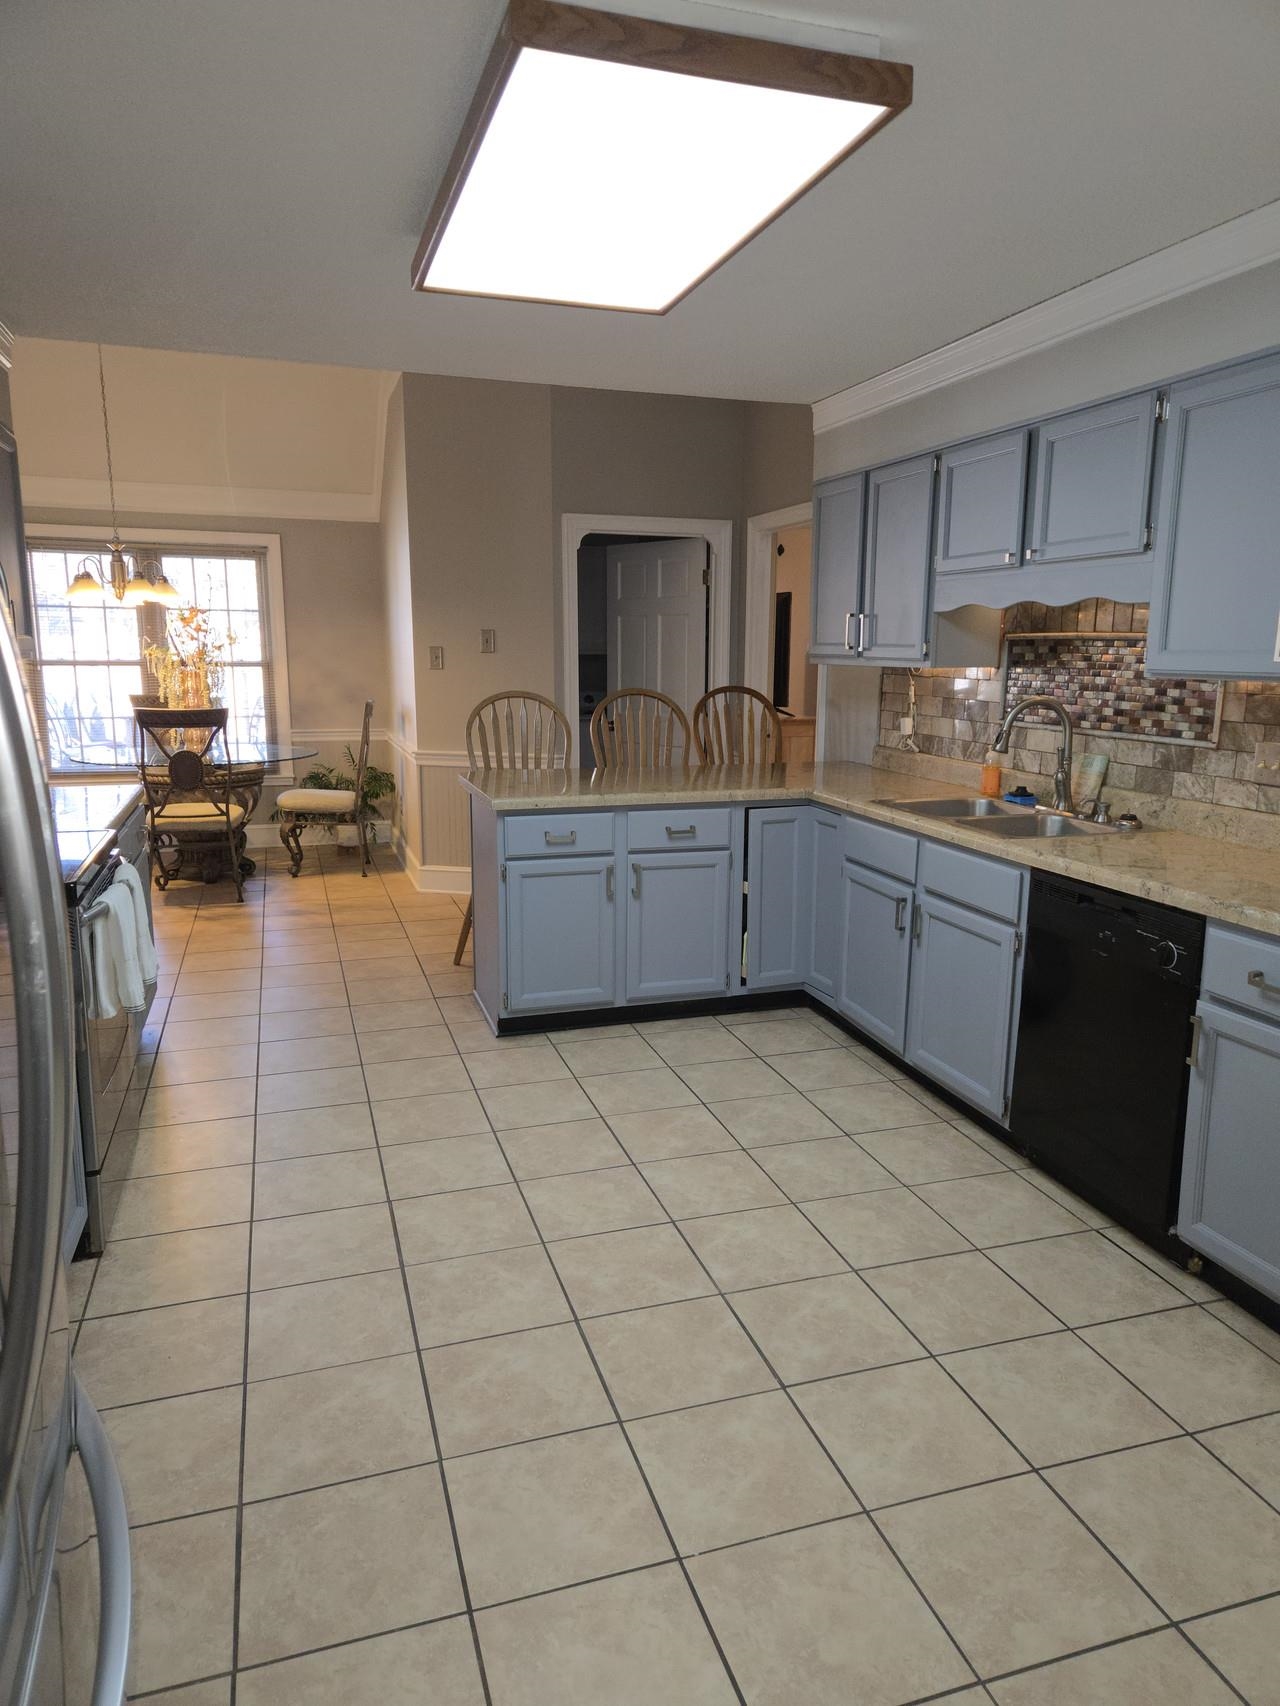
(189, 670)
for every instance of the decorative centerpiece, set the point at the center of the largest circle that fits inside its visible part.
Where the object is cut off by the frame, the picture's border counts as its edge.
(189, 670)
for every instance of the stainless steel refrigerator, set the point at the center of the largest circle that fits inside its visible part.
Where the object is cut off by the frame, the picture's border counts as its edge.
(65, 1587)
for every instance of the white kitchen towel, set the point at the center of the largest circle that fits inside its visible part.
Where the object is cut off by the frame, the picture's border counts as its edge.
(146, 946)
(115, 938)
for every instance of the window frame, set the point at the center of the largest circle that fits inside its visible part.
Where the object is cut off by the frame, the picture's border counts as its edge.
(45, 534)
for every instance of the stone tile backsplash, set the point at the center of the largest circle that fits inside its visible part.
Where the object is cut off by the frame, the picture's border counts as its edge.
(1180, 751)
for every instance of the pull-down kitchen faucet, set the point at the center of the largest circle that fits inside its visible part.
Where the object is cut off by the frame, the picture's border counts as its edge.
(1062, 801)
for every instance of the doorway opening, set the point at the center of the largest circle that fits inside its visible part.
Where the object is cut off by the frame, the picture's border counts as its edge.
(776, 624)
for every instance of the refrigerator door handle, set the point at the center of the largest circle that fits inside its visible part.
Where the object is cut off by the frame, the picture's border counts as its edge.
(115, 1570)
(40, 960)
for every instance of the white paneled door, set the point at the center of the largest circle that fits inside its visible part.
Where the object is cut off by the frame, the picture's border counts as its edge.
(657, 612)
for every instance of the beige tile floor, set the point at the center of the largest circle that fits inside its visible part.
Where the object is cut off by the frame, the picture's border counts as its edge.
(664, 1364)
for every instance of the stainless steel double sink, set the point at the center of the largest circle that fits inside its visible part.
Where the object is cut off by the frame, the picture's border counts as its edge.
(1000, 819)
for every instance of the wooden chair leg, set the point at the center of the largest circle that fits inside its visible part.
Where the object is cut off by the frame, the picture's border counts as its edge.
(467, 920)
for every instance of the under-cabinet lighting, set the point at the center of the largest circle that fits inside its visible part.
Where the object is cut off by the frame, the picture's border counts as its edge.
(614, 162)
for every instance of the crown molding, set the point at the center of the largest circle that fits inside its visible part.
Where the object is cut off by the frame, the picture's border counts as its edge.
(49, 491)
(1252, 240)
(6, 346)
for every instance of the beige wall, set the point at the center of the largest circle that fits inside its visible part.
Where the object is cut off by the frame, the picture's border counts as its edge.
(778, 471)
(793, 572)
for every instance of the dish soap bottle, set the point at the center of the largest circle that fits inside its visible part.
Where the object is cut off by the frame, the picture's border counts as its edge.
(991, 776)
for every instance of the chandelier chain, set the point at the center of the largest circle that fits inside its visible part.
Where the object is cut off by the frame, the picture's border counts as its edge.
(106, 433)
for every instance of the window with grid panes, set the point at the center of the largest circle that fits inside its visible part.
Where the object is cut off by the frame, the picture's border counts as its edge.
(91, 654)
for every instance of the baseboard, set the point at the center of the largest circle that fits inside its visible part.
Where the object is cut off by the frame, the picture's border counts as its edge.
(433, 879)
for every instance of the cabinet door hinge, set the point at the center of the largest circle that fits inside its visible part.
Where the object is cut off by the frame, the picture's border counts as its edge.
(1017, 943)
(504, 873)
(1004, 1112)
(706, 575)
(924, 650)
(1148, 537)
(726, 979)
(1162, 406)
(505, 1002)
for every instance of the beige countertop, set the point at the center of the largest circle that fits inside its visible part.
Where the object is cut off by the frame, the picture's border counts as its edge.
(1240, 885)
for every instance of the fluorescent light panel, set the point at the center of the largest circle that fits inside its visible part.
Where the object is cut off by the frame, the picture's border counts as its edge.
(606, 184)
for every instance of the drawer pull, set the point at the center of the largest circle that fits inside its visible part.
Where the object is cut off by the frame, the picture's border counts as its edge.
(567, 840)
(608, 882)
(900, 915)
(674, 834)
(635, 882)
(1258, 980)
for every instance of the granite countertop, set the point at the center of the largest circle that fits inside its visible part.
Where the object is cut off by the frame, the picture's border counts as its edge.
(1240, 885)
(85, 817)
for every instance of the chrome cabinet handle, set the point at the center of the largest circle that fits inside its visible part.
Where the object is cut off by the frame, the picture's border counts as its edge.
(115, 1575)
(900, 914)
(568, 840)
(917, 921)
(1193, 1059)
(608, 882)
(862, 632)
(635, 882)
(680, 834)
(1258, 980)
(848, 617)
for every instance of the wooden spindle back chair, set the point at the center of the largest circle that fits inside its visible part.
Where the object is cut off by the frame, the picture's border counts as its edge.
(639, 729)
(737, 725)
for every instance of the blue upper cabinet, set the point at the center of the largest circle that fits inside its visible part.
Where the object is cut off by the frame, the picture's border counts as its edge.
(894, 607)
(1091, 483)
(838, 507)
(1215, 597)
(981, 489)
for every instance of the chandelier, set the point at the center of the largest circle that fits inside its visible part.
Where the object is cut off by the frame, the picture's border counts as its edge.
(129, 578)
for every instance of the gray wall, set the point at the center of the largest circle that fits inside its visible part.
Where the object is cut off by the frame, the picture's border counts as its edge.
(1234, 318)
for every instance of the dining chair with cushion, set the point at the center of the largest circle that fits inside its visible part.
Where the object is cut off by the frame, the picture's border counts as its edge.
(514, 731)
(303, 808)
(737, 725)
(639, 729)
(186, 774)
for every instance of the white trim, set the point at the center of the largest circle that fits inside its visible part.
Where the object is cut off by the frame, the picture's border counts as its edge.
(6, 346)
(433, 879)
(329, 737)
(266, 542)
(756, 615)
(53, 491)
(385, 391)
(1252, 240)
(820, 722)
(573, 530)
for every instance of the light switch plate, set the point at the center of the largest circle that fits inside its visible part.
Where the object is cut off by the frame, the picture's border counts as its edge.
(435, 657)
(488, 640)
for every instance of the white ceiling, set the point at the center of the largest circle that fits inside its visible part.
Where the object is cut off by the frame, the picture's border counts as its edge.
(252, 178)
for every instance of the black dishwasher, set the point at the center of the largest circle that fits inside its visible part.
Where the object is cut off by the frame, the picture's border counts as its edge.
(1100, 1079)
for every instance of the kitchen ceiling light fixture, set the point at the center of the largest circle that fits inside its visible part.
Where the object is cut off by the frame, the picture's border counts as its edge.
(615, 162)
(127, 576)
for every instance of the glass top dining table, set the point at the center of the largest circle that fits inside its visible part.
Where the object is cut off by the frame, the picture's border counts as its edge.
(244, 754)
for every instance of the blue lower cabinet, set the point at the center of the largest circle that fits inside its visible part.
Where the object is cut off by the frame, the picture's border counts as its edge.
(560, 934)
(960, 1018)
(678, 907)
(824, 872)
(1231, 1164)
(875, 944)
(778, 904)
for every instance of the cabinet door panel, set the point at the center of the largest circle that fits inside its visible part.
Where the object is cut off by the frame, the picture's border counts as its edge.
(980, 501)
(1215, 596)
(560, 934)
(1230, 1202)
(1092, 482)
(677, 925)
(876, 941)
(961, 1016)
(825, 866)
(895, 587)
(837, 563)
(778, 899)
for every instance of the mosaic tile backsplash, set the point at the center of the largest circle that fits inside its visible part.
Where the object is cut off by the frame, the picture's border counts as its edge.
(1192, 755)
(1100, 680)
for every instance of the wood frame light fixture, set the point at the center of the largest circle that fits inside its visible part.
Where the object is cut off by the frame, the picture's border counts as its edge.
(616, 162)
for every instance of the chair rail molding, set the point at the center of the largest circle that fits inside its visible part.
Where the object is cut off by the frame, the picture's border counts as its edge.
(717, 531)
(757, 616)
(1239, 245)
